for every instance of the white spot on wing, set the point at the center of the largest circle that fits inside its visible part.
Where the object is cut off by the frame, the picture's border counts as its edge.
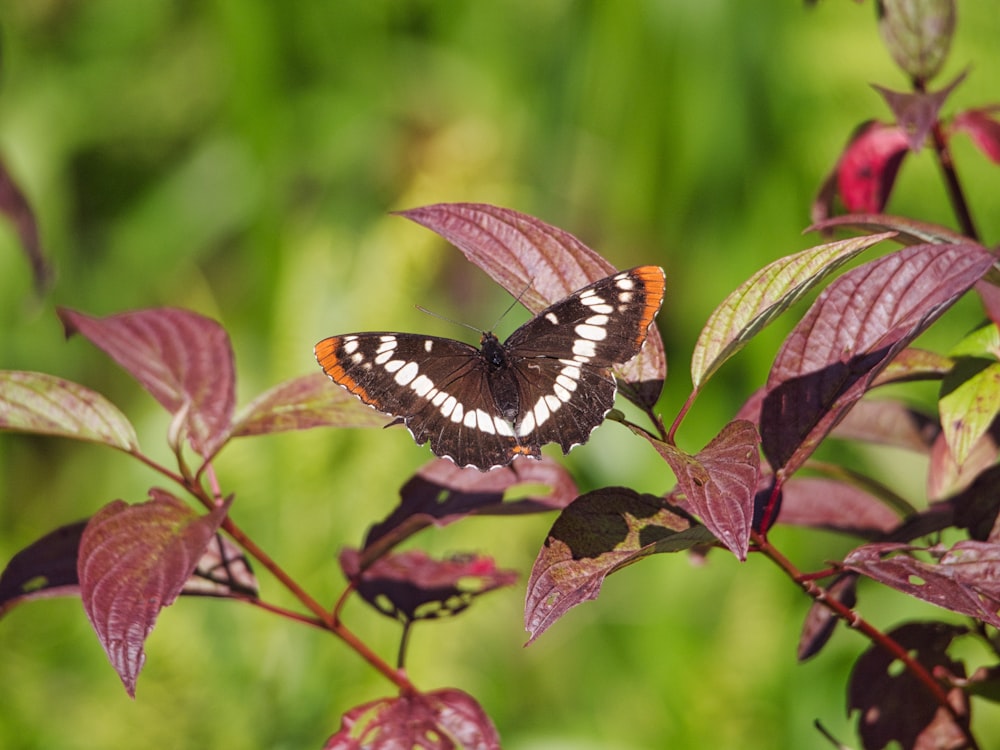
(527, 425)
(408, 373)
(584, 348)
(541, 412)
(552, 402)
(393, 365)
(625, 283)
(457, 413)
(602, 308)
(428, 345)
(597, 320)
(422, 385)
(350, 345)
(594, 333)
(485, 422)
(503, 427)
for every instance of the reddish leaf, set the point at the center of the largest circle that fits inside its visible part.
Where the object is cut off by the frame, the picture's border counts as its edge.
(946, 478)
(908, 231)
(183, 359)
(411, 586)
(766, 295)
(917, 34)
(982, 128)
(133, 561)
(916, 112)
(600, 532)
(837, 506)
(15, 206)
(442, 493)
(48, 568)
(300, 404)
(894, 705)
(867, 169)
(442, 720)
(539, 264)
(46, 405)
(820, 622)
(963, 581)
(888, 422)
(853, 330)
(45, 568)
(720, 482)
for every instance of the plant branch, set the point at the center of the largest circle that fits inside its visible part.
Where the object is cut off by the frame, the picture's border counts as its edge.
(854, 621)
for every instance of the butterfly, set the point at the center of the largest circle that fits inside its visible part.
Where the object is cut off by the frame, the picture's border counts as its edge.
(549, 382)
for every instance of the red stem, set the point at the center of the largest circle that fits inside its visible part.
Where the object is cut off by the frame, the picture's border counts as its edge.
(854, 621)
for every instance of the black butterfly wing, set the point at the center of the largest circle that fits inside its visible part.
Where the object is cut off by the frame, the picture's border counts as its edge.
(438, 387)
(564, 355)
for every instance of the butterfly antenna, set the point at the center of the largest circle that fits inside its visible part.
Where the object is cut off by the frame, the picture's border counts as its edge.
(511, 306)
(447, 320)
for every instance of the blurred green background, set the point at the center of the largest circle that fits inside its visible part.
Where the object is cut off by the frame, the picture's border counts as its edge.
(240, 158)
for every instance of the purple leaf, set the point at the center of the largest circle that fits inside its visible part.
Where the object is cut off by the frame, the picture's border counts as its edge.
(182, 359)
(300, 404)
(46, 405)
(441, 720)
(908, 231)
(14, 205)
(133, 561)
(409, 586)
(598, 533)
(894, 706)
(837, 506)
(853, 330)
(222, 571)
(944, 475)
(963, 581)
(820, 622)
(916, 112)
(766, 295)
(888, 422)
(720, 482)
(45, 568)
(442, 493)
(540, 264)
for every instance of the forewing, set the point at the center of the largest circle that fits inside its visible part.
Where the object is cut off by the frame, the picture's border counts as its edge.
(436, 386)
(602, 325)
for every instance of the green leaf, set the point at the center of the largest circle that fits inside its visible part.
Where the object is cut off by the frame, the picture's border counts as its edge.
(766, 295)
(969, 403)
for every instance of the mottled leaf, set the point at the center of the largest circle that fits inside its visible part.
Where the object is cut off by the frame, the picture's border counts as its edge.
(45, 568)
(829, 504)
(182, 359)
(969, 402)
(598, 533)
(894, 706)
(820, 621)
(944, 475)
(46, 405)
(914, 364)
(539, 264)
(48, 568)
(442, 493)
(441, 720)
(766, 295)
(300, 404)
(856, 327)
(409, 586)
(133, 561)
(964, 580)
(720, 482)
(917, 34)
(917, 111)
(983, 128)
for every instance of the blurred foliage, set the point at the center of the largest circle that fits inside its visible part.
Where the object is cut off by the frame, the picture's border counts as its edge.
(240, 158)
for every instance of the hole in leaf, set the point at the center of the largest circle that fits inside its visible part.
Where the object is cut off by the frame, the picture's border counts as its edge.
(896, 668)
(34, 584)
(916, 580)
(526, 490)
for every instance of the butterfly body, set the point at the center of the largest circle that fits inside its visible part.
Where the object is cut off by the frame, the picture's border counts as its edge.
(549, 382)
